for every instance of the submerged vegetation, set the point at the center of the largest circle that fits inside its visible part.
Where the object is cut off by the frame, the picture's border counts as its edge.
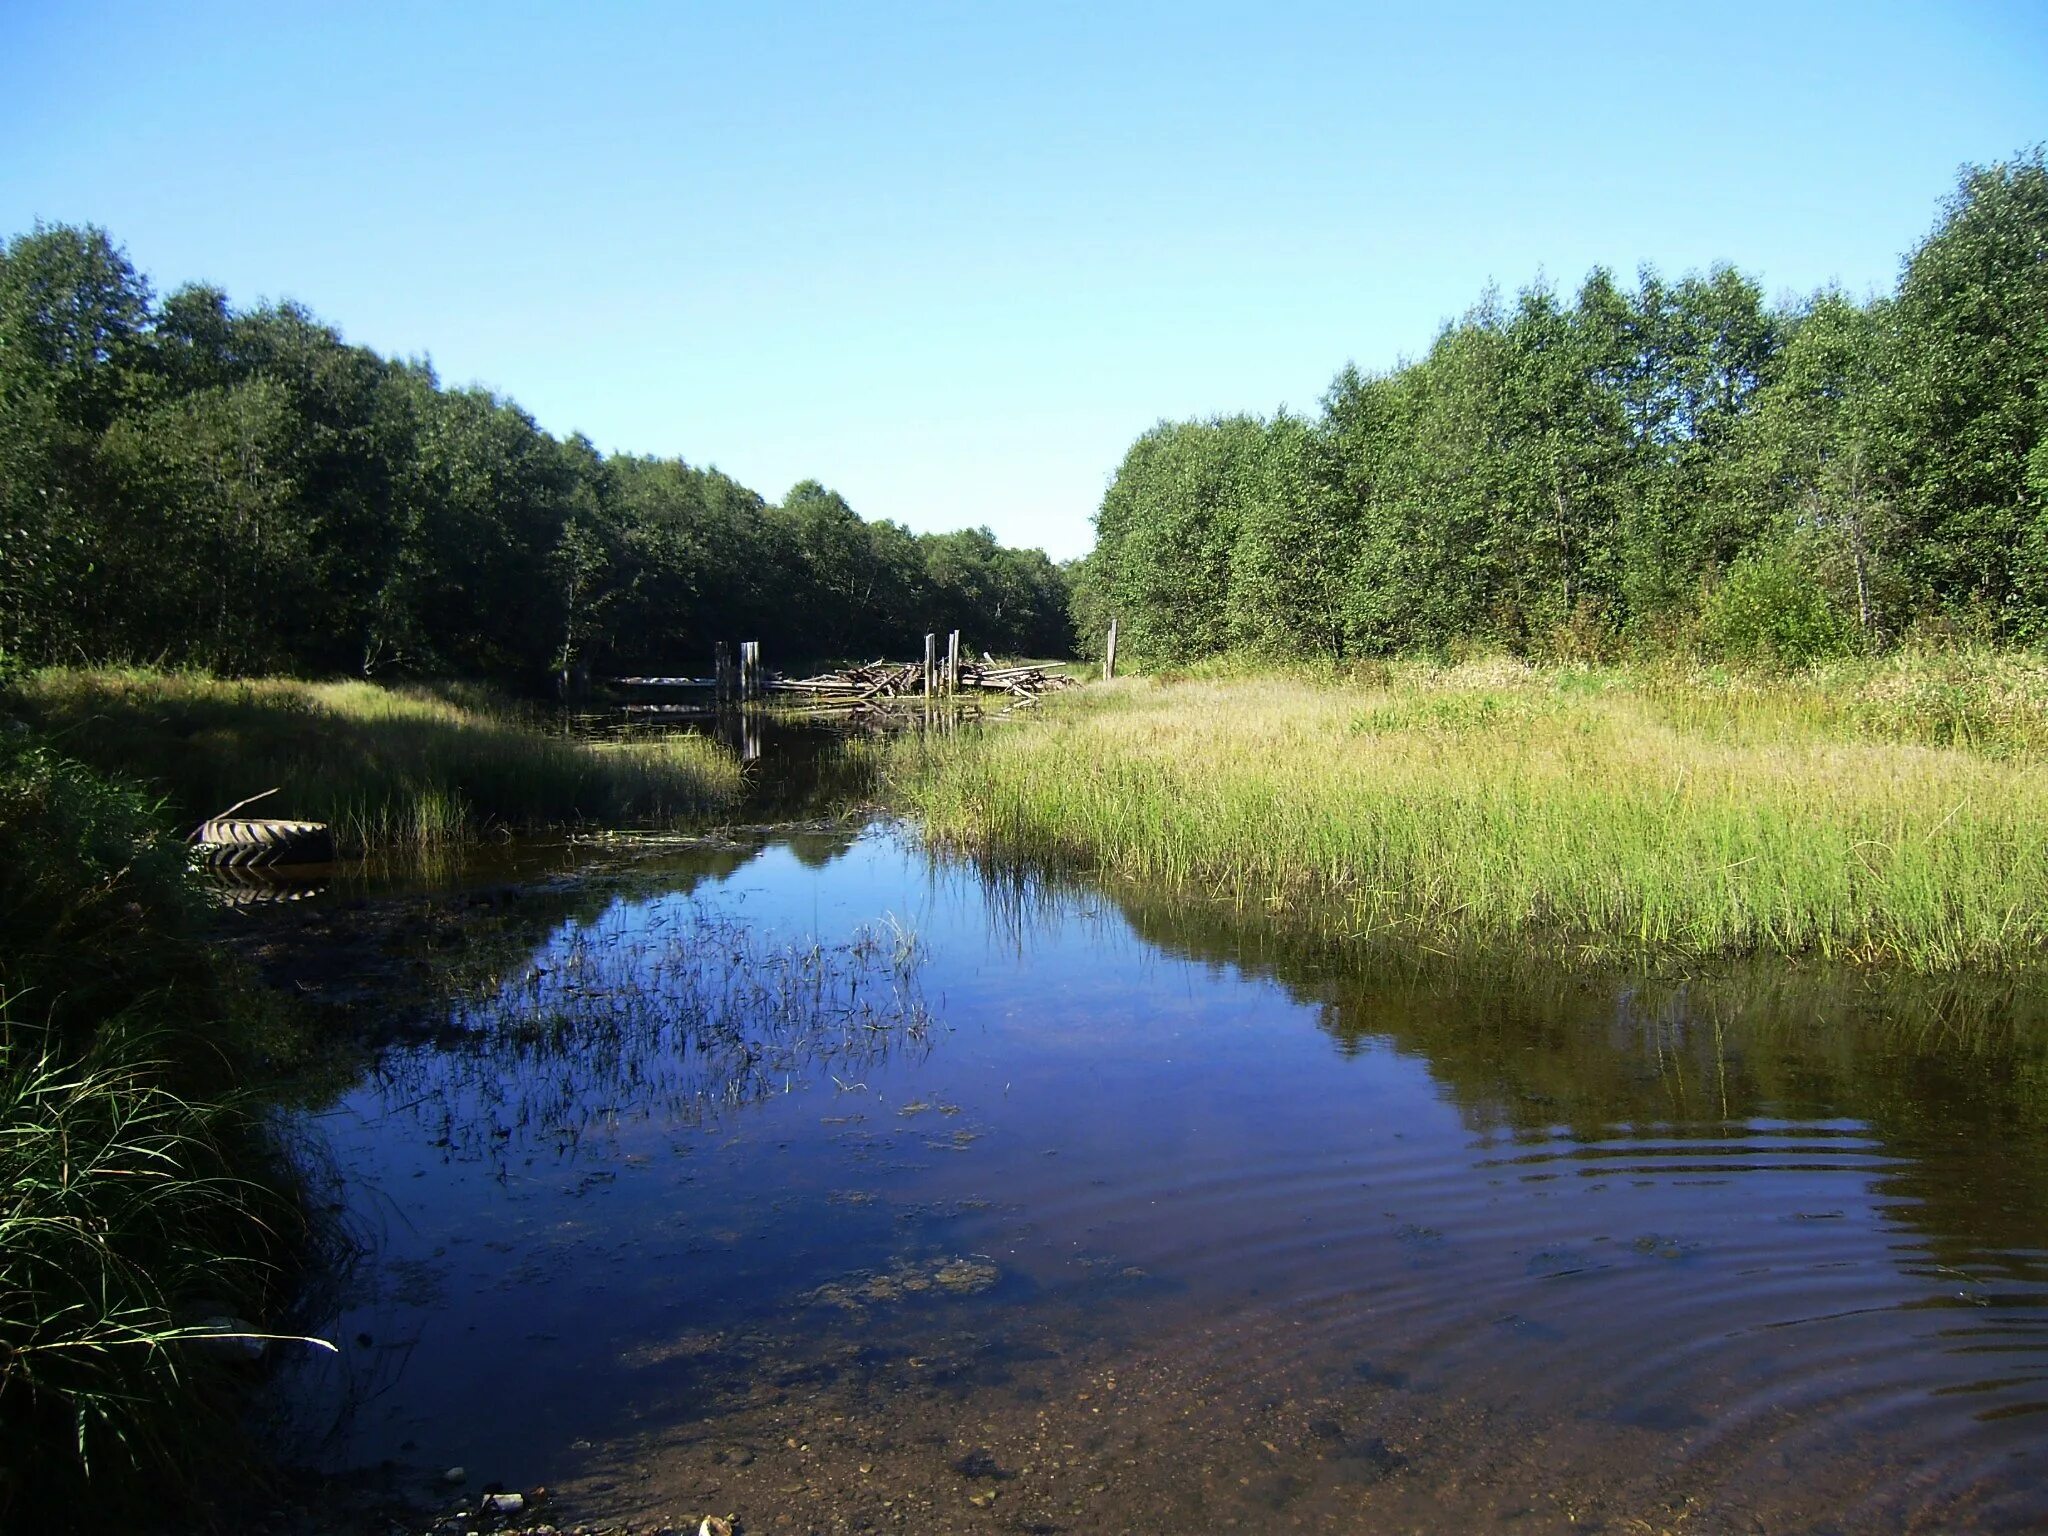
(690, 1016)
(387, 767)
(1879, 813)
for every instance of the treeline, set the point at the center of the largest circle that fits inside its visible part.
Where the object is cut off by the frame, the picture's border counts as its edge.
(1673, 466)
(185, 483)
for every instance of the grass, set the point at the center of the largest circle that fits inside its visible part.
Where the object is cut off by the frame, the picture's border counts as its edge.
(136, 1196)
(405, 768)
(125, 1235)
(692, 1015)
(1885, 813)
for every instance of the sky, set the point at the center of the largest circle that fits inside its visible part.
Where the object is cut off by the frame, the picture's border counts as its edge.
(951, 259)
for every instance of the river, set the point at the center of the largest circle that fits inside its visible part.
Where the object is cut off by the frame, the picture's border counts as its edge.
(817, 1177)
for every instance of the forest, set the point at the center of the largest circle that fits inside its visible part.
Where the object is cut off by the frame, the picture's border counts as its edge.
(186, 484)
(1678, 467)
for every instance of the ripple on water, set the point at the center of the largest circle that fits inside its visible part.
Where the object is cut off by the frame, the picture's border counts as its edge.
(1219, 1239)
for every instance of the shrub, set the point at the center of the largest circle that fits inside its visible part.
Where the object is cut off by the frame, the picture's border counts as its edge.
(1770, 607)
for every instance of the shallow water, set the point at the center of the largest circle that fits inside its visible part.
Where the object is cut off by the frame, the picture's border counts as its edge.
(842, 1186)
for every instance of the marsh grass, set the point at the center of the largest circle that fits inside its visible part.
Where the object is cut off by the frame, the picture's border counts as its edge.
(1882, 814)
(682, 1011)
(388, 768)
(123, 1233)
(136, 1194)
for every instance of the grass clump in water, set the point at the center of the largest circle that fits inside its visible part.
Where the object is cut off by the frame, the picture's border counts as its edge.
(386, 767)
(1887, 813)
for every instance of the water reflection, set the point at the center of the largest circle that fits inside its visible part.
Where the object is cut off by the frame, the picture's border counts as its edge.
(1169, 1214)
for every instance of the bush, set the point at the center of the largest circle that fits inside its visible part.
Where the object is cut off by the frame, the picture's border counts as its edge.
(1771, 608)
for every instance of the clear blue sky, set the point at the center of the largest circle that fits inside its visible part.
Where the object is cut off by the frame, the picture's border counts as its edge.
(951, 259)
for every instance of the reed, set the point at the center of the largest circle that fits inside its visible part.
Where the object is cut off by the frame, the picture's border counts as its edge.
(137, 1197)
(127, 1242)
(1884, 814)
(387, 767)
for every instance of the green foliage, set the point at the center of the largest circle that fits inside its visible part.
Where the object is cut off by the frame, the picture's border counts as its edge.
(122, 1226)
(122, 1218)
(1637, 815)
(1970, 409)
(387, 767)
(1769, 608)
(82, 858)
(243, 491)
(1566, 478)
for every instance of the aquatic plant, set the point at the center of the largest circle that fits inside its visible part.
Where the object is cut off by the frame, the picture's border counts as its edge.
(679, 1010)
(1886, 813)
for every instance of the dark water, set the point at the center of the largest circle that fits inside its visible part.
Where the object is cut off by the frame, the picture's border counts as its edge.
(843, 1187)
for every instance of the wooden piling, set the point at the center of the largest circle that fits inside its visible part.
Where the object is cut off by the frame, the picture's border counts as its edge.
(750, 669)
(1109, 655)
(953, 662)
(721, 672)
(931, 651)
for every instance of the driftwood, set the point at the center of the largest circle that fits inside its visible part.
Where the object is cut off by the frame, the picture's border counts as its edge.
(878, 681)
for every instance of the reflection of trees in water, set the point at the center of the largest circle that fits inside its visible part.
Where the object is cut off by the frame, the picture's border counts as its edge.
(669, 1011)
(1950, 1074)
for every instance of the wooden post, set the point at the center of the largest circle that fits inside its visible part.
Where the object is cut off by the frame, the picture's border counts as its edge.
(1109, 655)
(750, 669)
(931, 651)
(721, 672)
(953, 662)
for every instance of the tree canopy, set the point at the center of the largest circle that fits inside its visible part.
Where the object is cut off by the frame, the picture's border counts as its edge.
(187, 483)
(1668, 463)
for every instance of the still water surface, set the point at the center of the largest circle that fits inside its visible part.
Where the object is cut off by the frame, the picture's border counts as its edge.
(843, 1186)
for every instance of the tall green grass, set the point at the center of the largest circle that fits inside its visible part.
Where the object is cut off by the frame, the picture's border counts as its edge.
(135, 1197)
(386, 767)
(1889, 814)
(126, 1236)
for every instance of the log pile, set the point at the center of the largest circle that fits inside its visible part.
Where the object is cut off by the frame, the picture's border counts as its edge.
(1024, 682)
(877, 680)
(880, 681)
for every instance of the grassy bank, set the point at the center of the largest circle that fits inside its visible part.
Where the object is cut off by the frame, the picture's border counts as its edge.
(138, 1200)
(387, 767)
(1881, 813)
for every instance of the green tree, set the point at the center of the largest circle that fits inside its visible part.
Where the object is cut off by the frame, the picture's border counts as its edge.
(1971, 402)
(74, 322)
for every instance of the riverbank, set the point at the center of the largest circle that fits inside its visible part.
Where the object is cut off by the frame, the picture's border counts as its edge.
(146, 1211)
(1882, 813)
(149, 1209)
(390, 768)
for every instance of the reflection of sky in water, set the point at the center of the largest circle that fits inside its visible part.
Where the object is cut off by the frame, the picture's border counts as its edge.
(1764, 1237)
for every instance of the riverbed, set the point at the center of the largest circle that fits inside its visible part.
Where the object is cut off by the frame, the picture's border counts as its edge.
(821, 1178)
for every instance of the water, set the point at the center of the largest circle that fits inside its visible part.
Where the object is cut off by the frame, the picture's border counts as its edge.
(1040, 1209)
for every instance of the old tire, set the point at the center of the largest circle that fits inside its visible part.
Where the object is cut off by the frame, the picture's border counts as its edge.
(237, 842)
